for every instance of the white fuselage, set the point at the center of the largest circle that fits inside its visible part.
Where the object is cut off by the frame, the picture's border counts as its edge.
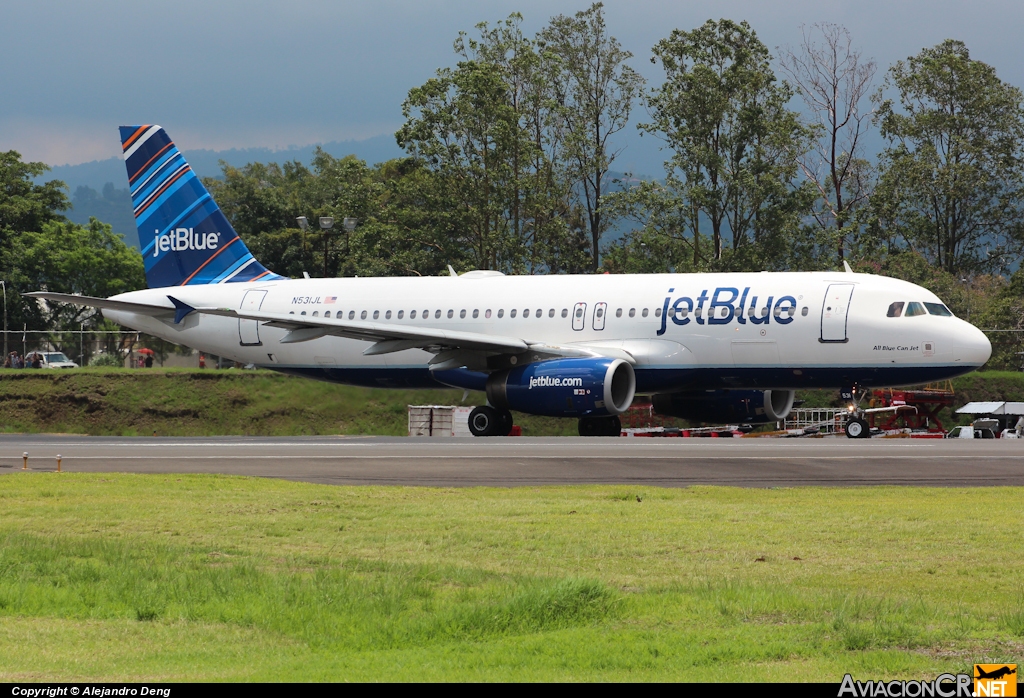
(822, 329)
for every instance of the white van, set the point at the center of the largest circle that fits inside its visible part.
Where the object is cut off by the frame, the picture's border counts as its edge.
(55, 359)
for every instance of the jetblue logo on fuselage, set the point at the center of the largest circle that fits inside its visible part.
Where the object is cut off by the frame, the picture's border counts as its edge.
(723, 306)
(183, 239)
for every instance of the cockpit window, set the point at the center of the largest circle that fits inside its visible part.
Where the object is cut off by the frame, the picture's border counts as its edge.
(938, 309)
(914, 309)
(895, 309)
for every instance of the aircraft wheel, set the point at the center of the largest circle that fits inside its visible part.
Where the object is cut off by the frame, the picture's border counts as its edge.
(590, 426)
(485, 421)
(857, 429)
(504, 423)
(600, 426)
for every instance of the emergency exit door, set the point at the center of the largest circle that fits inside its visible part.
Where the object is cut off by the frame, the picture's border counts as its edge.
(249, 330)
(834, 312)
(579, 316)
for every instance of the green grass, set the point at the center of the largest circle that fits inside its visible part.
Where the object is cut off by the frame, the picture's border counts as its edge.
(189, 577)
(193, 402)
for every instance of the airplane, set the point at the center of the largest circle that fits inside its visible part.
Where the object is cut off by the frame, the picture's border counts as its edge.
(711, 347)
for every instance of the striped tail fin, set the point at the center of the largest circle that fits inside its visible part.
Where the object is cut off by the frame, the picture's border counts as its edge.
(184, 236)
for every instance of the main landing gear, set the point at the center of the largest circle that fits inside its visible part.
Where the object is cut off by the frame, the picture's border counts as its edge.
(600, 426)
(487, 421)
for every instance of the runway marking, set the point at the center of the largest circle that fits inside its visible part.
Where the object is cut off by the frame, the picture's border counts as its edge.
(507, 457)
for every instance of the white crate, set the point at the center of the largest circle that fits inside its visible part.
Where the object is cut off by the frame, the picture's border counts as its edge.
(439, 420)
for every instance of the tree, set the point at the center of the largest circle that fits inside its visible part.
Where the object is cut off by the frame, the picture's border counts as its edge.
(594, 91)
(734, 145)
(66, 257)
(833, 80)
(951, 181)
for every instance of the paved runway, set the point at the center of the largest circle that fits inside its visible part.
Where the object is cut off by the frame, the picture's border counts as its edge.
(509, 462)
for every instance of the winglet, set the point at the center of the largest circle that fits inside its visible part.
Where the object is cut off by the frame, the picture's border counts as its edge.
(846, 266)
(181, 309)
(452, 271)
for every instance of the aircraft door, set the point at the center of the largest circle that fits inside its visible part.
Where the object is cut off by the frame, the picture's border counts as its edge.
(600, 310)
(834, 312)
(249, 330)
(579, 316)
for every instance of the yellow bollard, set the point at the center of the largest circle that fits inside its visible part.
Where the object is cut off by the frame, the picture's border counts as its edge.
(58, 462)
(24, 460)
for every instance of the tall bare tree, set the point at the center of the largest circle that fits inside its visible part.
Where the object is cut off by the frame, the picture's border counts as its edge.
(833, 79)
(595, 90)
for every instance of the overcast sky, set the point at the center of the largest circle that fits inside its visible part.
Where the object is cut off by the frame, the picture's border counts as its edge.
(246, 73)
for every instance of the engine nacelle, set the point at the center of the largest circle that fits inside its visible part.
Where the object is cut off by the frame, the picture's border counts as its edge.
(727, 406)
(565, 387)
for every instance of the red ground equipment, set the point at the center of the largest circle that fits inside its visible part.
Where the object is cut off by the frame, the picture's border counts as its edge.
(928, 401)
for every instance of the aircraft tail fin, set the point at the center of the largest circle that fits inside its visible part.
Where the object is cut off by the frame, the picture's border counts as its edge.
(184, 236)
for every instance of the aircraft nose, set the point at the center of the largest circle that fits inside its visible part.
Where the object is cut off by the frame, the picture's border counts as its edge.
(972, 346)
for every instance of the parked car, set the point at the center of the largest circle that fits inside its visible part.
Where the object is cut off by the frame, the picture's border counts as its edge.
(969, 432)
(55, 359)
(1008, 434)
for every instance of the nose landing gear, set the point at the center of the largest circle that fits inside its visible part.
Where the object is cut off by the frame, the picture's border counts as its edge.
(856, 426)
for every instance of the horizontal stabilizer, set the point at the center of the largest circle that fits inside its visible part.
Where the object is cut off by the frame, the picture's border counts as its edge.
(106, 303)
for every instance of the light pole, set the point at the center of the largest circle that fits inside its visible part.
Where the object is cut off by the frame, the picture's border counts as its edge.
(967, 290)
(4, 284)
(326, 223)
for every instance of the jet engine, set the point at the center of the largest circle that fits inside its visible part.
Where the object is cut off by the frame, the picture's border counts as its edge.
(726, 406)
(565, 387)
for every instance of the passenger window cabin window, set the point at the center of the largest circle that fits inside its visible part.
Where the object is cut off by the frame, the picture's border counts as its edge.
(412, 315)
(462, 313)
(551, 313)
(376, 314)
(351, 315)
(362, 315)
(632, 312)
(565, 312)
(914, 309)
(579, 312)
(387, 315)
(487, 313)
(657, 312)
(618, 312)
(476, 313)
(327, 313)
(600, 313)
(644, 313)
(895, 309)
(512, 313)
(803, 311)
(526, 313)
(451, 314)
(316, 313)
(501, 313)
(303, 312)
(291, 312)
(671, 312)
(540, 312)
(938, 309)
(437, 314)
(401, 314)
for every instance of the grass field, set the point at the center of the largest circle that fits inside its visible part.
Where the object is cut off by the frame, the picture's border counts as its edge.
(191, 402)
(188, 577)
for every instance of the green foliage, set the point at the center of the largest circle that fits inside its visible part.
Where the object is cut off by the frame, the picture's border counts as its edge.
(952, 178)
(66, 257)
(734, 148)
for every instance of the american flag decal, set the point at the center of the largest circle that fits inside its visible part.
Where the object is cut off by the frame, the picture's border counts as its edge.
(330, 299)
